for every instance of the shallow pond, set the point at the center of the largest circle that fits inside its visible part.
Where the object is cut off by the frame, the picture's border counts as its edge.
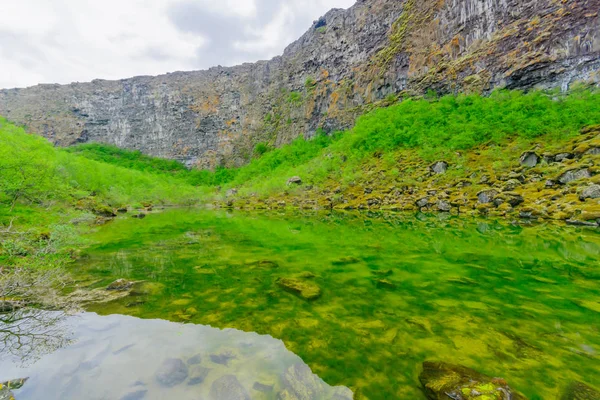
(365, 299)
(119, 357)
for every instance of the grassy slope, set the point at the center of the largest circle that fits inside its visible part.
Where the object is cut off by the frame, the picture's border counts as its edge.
(429, 129)
(49, 197)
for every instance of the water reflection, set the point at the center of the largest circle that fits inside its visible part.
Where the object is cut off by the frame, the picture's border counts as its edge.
(120, 357)
(28, 334)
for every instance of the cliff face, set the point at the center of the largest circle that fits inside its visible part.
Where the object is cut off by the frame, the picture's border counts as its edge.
(349, 61)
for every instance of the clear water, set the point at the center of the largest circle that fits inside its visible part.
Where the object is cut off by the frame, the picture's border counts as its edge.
(522, 303)
(120, 357)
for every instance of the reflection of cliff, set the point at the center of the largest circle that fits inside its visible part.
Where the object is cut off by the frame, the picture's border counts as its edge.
(116, 357)
(349, 61)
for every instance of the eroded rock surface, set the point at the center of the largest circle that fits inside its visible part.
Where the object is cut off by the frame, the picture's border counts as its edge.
(346, 61)
(443, 381)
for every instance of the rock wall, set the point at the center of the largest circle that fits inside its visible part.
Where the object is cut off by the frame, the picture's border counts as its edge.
(348, 62)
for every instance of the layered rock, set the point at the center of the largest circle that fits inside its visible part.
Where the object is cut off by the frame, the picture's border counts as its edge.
(348, 61)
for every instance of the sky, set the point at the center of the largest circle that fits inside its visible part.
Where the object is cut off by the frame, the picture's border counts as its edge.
(64, 41)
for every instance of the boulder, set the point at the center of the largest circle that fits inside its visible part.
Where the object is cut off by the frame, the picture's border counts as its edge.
(573, 175)
(172, 372)
(120, 285)
(223, 358)
(135, 395)
(444, 206)
(228, 388)
(563, 156)
(593, 151)
(299, 383)
(139, 216)
(262, 387)
(422, 202)
(231, 192)
(294, 180)
(439, 167)
(486, 196)
(195, 360)
(529, 159)
(306, 290)
(443, 381)
(197, 375)
(580, 391)
(11, 305)
(590, 192)
(575, 222)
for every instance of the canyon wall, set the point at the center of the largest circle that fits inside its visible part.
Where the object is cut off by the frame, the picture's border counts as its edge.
(347, 63)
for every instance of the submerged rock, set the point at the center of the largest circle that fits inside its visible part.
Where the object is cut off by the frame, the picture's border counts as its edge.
(299, 383)
(195, 360)
(346, 261)
(198, 374)
(136, 395)
(443, 381)
(261, 387)
(120, 285)
(385, 284)
(139, 216)
(228, 388)
(172, 372)
(306, 290)
(223, 358)
(580, 391)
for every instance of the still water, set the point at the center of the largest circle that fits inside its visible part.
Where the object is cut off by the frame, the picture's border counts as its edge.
(362, 299)
(119, 357)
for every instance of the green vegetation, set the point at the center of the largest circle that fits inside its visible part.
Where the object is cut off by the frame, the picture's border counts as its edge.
(395, 291)
(434, 127)
(50, 196)
(295, 98)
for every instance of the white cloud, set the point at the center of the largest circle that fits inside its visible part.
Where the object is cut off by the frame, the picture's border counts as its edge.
(63, 41)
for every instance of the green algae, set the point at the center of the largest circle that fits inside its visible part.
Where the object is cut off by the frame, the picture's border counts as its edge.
(510, 301)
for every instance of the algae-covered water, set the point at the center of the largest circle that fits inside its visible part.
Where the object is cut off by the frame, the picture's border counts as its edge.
(388, 292)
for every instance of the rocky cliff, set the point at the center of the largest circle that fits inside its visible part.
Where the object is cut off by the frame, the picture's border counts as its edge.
(348, 62)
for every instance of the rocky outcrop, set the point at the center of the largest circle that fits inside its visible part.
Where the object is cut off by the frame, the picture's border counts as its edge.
(447, 381)
(348, 62)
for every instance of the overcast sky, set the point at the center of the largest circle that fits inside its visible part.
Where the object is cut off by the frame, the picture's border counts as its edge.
(63, 41)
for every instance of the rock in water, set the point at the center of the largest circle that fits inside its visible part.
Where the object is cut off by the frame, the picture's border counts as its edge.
(439, 167)
(198, 374)
(299, 383)
(172, 372)
(529, 159)
(228, 388)
(304, 289)
(580, 391)
(120, 285)
(443, 381)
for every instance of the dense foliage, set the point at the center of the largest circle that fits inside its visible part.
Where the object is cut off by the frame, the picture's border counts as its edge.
(34, 172)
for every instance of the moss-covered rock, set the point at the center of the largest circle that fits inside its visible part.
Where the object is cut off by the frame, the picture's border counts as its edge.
(580, 391)
(304, 289)
(443, 381)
